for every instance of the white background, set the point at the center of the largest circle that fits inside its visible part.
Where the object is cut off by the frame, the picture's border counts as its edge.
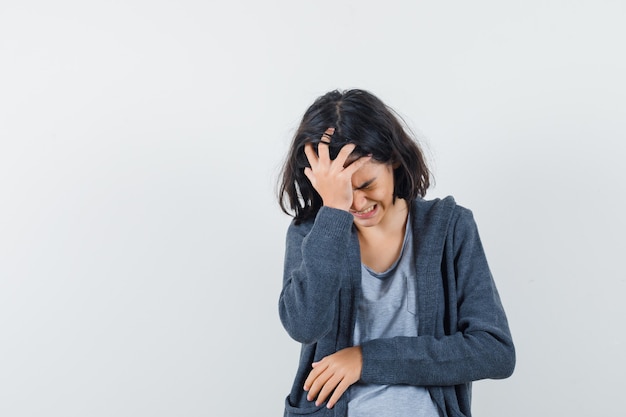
(140, 143)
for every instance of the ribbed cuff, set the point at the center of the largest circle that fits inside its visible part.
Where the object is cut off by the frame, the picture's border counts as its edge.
(335, 222)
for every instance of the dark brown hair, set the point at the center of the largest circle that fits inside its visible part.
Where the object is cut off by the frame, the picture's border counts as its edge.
(361, 118)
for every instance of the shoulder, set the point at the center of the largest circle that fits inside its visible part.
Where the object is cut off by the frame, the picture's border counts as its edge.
(440, 208)
(436, 211)
(436, 204)
(441, 216)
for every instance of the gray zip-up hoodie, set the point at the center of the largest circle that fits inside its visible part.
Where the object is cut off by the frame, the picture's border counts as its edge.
(463, 334)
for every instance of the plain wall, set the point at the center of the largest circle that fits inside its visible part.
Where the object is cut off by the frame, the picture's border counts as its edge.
(141, 243)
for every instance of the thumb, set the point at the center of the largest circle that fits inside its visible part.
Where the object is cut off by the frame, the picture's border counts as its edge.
(309, 174)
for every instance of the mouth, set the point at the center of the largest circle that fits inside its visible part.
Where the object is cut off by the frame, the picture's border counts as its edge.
(367, 213)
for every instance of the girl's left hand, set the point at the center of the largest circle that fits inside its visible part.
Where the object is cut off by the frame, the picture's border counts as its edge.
(334, 373)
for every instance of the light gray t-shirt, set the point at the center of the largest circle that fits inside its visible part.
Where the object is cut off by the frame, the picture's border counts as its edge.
(388, 308)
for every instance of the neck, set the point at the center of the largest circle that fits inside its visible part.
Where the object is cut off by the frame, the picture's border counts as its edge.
(393, 224)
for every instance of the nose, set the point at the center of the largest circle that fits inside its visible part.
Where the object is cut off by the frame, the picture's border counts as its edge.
(359, 201)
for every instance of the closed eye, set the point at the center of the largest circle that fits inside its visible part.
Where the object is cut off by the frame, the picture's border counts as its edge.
(366, 185)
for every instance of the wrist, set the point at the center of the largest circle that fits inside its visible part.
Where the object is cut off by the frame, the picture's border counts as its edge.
(338, 206)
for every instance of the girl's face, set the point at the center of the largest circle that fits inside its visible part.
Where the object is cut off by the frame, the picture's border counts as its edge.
(372, 202)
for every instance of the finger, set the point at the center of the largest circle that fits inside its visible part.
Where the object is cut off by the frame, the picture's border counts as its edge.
(341, 388)
(354, 167)
(313, 376)
(344, 153)
(323, 151)
(308, 172)
(310, 154)
(326, 137)
(318, 385)
(328, 388)
(323, 147)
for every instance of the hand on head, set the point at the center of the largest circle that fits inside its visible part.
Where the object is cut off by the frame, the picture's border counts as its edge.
(330, 178)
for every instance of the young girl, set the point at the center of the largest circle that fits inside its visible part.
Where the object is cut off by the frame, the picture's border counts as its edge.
(389, 294)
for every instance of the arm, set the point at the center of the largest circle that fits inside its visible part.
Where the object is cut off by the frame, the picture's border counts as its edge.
(480, 344)
(315, 261)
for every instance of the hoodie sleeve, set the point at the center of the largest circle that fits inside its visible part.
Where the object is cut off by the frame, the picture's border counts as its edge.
(315, 261)
(479, 344)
